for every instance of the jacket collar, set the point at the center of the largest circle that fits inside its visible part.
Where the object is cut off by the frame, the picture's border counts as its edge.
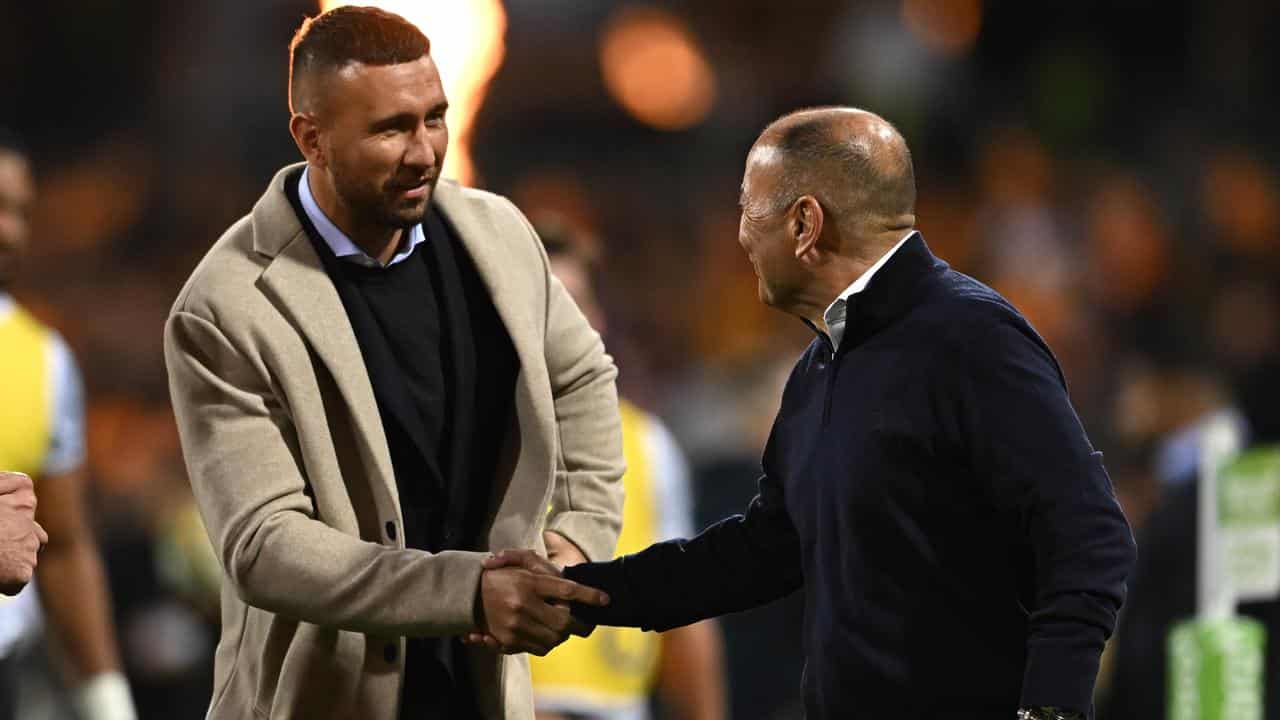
(894, 290)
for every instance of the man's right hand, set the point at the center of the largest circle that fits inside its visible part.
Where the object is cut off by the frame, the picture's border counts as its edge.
(523, 604)
(21, 537)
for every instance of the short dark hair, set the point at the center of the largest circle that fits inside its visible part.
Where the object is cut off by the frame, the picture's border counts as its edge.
(10, 142)
(350, 34)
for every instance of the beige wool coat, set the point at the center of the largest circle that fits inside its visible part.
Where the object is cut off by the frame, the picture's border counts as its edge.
(292, 474)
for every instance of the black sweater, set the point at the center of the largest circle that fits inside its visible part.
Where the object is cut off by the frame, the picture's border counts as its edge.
(931, 488)
(443, 370)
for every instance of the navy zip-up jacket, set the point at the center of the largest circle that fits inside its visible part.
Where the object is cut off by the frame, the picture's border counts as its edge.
(930, 487)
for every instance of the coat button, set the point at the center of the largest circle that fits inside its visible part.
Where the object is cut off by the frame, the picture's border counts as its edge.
(390, 652)
(391, 530)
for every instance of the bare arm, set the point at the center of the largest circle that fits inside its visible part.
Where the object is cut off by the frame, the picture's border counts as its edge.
(691, 675)
(73, 586)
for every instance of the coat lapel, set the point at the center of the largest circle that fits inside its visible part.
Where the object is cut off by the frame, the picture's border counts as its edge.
(476, 232)
(527, 452)
(297, 282)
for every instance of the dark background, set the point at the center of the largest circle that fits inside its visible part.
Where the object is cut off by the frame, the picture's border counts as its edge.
(1109, 166)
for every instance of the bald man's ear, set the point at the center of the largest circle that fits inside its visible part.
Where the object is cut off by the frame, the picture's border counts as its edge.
(806, 225)
(306, 135)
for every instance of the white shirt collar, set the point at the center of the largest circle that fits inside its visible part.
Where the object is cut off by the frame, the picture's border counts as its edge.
(6, 305)
(338, 242)
(834, 316)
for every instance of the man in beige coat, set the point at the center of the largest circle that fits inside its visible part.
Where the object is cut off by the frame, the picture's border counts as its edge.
(346, 586)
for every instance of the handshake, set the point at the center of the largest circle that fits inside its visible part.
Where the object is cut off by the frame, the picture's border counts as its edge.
(522, 605)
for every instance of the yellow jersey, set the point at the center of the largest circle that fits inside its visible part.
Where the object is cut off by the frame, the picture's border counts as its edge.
(612, 673)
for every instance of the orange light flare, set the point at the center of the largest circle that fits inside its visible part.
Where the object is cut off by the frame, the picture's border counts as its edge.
(949, 27)
(655, 69)
(468, 45)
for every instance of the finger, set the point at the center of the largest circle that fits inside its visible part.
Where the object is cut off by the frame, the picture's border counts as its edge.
(538, 625)
(494, 562)
(479, 639)
(23, 499)
(533, 562)
(12, 481)
(40, 533)
(511, 558)
(558, 588)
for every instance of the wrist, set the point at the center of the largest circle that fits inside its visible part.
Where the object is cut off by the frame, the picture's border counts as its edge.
(105, 696)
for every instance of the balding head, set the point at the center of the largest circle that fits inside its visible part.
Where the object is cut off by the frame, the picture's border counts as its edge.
(854, 162)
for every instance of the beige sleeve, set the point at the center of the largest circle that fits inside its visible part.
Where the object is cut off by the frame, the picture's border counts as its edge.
(586, 502)
(247, 473)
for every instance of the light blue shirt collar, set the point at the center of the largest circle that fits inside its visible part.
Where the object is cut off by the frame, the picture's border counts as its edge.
(338, 242)
(6, 305)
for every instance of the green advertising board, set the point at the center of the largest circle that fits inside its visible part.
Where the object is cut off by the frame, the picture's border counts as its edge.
(1249, 523)
(1216, 670)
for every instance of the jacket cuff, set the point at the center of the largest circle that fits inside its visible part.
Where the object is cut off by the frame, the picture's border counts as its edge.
(1060, 675)
(453, 613)
(602, 576)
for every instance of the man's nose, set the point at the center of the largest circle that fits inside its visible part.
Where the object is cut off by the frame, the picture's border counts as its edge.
(420, 153)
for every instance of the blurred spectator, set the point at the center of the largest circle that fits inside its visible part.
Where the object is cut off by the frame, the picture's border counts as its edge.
(42, 435)
(1166, 410)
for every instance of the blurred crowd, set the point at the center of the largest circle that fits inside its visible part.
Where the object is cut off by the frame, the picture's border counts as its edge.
(1110, 167)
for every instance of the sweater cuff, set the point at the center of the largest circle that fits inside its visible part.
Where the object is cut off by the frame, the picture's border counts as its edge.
(1060, 675)
(605, 576)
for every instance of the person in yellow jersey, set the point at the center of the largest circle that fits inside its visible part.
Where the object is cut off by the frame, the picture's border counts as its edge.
(612, 674)
(42, 436)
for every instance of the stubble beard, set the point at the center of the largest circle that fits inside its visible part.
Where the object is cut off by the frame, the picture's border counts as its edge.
(375, 206)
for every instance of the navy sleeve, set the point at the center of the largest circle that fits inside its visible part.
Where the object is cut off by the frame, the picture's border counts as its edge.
(739, 563)
(1030, 449)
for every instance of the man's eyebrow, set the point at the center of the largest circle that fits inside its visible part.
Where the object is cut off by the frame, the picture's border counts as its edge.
(393, 121)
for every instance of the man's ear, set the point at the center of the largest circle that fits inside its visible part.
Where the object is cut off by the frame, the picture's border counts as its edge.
(806, 226)
(305, 130)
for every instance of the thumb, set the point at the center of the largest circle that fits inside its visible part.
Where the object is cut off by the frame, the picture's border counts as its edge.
(509, 558)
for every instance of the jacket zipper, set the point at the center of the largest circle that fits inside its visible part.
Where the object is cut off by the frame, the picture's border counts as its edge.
(831, 381)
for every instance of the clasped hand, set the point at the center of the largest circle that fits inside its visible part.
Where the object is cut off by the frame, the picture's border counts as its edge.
(21, 537)
(523, 604)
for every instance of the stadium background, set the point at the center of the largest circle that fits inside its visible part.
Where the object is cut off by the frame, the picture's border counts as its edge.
(1109, 166)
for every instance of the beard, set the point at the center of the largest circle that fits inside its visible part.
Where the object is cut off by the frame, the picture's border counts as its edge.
(380, 204)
